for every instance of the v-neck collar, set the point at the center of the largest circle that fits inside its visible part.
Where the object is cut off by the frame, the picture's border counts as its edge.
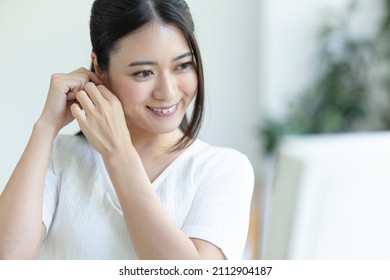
(111, 190)
(173, 164)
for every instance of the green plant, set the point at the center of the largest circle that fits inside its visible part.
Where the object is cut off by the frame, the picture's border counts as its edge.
(340, 99)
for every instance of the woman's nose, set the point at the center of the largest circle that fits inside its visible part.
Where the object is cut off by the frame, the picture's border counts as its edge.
(166, 88)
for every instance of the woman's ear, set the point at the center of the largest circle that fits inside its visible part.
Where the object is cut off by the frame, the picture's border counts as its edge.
(98, 71)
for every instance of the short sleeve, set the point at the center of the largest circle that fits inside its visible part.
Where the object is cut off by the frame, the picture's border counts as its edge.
(221, 206)
(50, 196)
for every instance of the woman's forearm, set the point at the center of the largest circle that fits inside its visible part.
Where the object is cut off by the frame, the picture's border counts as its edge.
(152, 230)
(21, 228)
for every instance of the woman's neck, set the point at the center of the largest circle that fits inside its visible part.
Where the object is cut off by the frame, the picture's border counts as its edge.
(152, 145)
(153, 151)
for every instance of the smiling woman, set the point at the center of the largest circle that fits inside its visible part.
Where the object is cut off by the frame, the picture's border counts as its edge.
(137, 184)
(161, 73)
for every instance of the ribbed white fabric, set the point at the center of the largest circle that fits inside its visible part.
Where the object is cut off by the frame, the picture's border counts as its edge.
(207, 191)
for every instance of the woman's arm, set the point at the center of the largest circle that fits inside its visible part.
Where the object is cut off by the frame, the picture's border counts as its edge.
(153, 232)
(21, 228)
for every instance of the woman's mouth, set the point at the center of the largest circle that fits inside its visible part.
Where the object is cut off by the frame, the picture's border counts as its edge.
(164, 111)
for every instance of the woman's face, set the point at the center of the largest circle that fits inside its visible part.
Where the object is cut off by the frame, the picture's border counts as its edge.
(153, 74)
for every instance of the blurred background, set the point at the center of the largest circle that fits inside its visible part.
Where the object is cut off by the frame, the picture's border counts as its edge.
(315, 71)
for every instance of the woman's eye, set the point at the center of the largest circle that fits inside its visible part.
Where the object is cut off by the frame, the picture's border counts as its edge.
(184, 66)
(143, 74)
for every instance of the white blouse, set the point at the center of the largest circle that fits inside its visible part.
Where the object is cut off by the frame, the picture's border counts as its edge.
(207, 192)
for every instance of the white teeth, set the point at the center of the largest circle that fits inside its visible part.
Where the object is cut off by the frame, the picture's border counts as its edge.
(164, 111)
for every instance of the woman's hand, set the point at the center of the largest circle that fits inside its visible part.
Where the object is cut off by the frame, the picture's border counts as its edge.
(62, 94)
(102, 120)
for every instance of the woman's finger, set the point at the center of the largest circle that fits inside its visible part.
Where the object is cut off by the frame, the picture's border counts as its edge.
(89, 76)
(73, 82)
(78, 114)
(107, 94)
(85, 101)
(95, 95)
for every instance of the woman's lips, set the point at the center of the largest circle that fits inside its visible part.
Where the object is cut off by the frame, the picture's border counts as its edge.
(164, 111)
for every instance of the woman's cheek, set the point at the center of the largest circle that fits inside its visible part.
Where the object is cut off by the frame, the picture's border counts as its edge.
(191, 84)
(132, 93)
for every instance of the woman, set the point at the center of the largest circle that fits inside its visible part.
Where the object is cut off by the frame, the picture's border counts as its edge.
(136, 183)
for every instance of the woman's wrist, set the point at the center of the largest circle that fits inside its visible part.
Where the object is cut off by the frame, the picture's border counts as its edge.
(45, 128)
(122, 156)
(126, 171)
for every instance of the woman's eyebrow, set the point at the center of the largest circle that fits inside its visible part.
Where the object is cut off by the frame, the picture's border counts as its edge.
(138, 63)
(148, 62)
(182, 56)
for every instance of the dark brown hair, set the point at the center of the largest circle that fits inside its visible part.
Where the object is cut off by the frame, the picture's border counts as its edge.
(111, 20)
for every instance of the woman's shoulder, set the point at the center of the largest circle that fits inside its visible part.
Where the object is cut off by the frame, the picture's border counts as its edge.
(209, 151)
(221, 169)
(70, 145)
(216, 157)
(65, 140)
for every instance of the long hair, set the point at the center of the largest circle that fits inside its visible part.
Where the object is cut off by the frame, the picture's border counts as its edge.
(111, 20)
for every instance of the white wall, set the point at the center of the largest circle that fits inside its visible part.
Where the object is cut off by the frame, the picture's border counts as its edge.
(38, 38)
